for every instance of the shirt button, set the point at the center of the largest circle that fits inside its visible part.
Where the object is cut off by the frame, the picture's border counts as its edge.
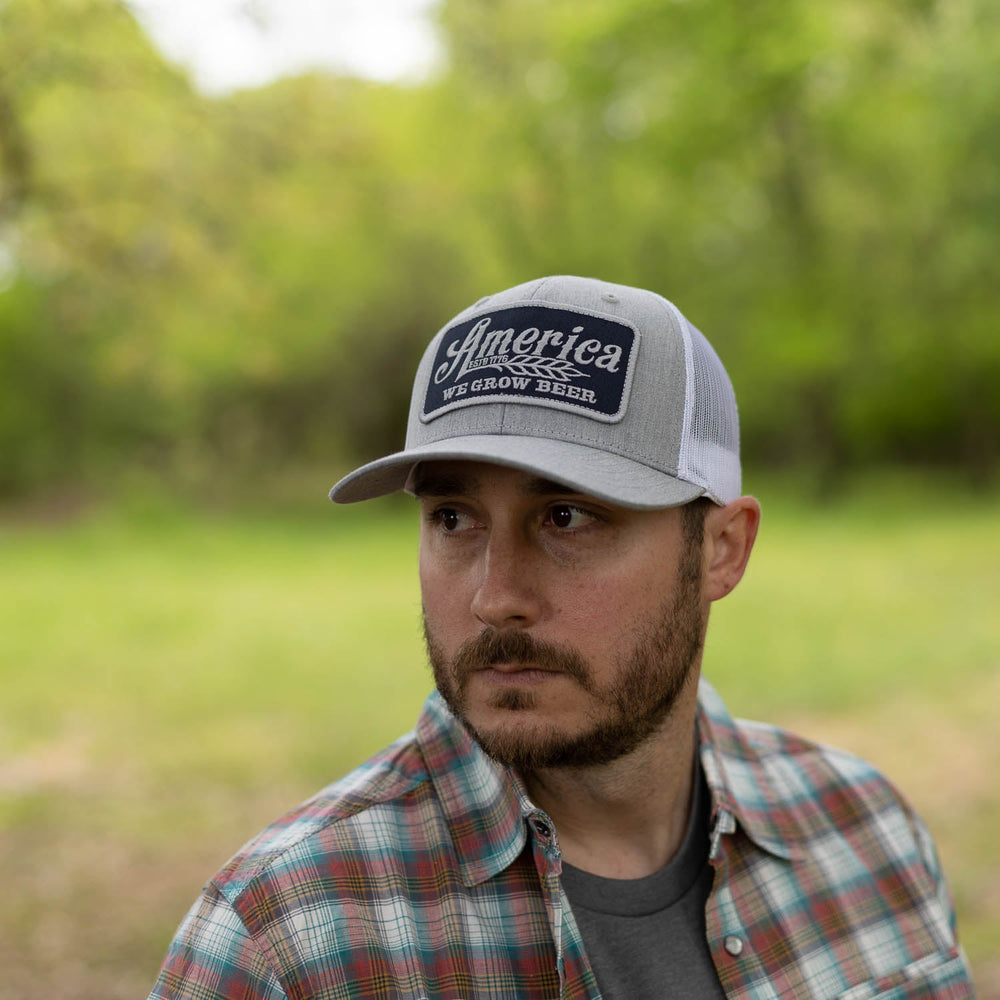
(542, 828)
(733, 945)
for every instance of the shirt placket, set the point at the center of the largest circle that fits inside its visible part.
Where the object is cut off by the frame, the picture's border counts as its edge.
(725, 934)
(577, 981)
(548, 863)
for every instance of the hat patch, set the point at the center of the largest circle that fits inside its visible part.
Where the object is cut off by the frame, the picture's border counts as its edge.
(537, 354)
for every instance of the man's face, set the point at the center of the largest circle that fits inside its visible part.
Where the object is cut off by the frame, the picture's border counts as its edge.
(561, 629)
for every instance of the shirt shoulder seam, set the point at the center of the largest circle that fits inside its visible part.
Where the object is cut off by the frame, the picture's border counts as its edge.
(339, 802)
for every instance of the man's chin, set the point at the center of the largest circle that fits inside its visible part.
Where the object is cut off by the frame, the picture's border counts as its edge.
(529, 741)
(527, 715)
(524, 746)
(519, 727)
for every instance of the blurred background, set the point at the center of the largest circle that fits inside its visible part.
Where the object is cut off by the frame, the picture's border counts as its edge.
(227, 231)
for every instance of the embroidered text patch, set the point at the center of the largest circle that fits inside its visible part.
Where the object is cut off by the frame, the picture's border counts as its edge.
(535, 354)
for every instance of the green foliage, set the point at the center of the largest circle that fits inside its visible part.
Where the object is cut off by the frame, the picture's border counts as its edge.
(811, 181)
(209, 285)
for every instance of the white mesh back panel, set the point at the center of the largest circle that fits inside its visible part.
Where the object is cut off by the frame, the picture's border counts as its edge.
(710, 444)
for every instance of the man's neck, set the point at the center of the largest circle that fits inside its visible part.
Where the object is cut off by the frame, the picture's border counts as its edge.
(625, 819)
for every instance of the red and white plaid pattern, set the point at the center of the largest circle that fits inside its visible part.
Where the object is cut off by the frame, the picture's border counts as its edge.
(427, 873)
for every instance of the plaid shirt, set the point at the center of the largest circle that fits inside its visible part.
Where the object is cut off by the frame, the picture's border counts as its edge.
(429, 873)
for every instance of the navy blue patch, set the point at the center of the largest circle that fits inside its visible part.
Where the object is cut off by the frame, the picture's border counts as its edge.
(535, 354)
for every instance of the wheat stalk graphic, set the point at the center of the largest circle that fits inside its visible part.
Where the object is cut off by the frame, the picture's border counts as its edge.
(550, 368)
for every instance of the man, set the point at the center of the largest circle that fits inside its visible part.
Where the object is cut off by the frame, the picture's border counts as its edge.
(576, 814)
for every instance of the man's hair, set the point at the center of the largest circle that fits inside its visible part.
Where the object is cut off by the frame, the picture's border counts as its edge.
(693, 516)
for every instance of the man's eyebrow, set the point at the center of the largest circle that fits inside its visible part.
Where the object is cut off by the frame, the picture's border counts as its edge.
(540, 487)
(428, 483)
(432, 483)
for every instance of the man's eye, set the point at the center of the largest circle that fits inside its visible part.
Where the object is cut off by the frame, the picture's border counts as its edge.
(564, 515)
(450, 519)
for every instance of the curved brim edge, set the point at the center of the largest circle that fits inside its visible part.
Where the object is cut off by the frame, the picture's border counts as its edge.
(587, 470)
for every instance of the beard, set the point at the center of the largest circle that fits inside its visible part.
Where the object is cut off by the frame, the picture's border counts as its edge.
(646, 682)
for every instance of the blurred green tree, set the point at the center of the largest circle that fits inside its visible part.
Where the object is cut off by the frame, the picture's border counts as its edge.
(812, 182)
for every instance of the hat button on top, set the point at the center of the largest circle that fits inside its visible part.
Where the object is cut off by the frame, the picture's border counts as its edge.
(609, 297)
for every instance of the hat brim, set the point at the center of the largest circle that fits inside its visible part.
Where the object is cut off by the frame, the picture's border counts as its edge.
(586, 470)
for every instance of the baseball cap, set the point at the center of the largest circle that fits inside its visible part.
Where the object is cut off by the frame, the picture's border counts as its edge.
(605, 388)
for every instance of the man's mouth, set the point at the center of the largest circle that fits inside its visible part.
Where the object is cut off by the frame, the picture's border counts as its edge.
(516, 667)
(516, 658)
(509, 674)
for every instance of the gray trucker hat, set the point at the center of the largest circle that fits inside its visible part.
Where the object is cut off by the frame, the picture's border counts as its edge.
(603, 387)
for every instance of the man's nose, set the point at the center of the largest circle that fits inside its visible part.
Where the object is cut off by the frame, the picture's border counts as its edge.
(507, 594)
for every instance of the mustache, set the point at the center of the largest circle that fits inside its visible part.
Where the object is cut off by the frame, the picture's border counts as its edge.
(515, 646)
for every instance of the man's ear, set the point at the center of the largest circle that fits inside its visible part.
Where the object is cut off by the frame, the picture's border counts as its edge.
(729, 536)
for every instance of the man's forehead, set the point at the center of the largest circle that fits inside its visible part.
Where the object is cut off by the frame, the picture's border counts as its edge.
(457, 477)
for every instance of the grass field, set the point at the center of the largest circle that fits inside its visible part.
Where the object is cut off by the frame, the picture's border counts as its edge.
(172, 681)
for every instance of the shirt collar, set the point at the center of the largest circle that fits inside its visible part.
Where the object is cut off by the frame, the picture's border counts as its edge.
(744, 776)
(483, 803)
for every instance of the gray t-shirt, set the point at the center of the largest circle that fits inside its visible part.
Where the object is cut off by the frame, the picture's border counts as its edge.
(645, 937)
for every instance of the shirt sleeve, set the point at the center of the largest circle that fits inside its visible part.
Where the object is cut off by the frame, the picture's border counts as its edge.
(928, 851)
(213, 956)
(955, 977)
